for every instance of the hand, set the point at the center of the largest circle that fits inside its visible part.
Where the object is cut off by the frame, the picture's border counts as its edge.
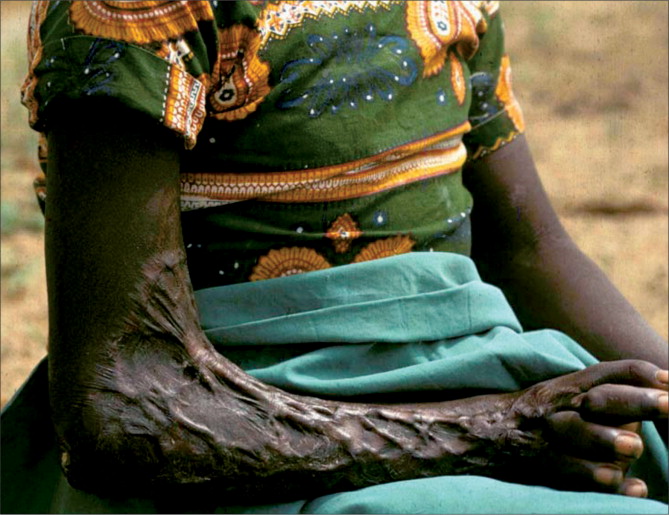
(589, 421)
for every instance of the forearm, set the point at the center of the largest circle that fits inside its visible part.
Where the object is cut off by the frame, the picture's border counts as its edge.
(520, 245)
(168, 411)
(556, 286)
(163, 413)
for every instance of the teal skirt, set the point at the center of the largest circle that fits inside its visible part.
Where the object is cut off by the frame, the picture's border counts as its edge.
(411, 327)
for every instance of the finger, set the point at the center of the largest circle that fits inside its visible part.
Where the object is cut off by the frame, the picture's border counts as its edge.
(593, 441)
(568, 431)
(631, 372)
(633, 487)
(616, 404)
(577, 474)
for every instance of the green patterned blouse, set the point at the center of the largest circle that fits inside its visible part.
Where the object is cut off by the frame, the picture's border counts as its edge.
(319, 133)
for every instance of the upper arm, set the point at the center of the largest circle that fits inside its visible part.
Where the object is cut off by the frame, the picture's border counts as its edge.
(112, 203)
(119, 100)
(512, 212)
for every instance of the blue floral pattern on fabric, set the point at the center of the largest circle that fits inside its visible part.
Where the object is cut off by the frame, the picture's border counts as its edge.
(93, 75)
(346, 70)
(96, 65)
(483, 86)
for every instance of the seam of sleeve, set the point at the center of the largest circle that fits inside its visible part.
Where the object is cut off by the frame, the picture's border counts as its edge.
(176, 98)
(501, 141)
(488, 120)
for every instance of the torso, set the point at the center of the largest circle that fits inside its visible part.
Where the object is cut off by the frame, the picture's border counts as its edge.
(324, 132)
(351, 154)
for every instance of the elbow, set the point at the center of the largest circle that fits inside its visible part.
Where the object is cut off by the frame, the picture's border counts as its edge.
(155, 429)
(105, 446)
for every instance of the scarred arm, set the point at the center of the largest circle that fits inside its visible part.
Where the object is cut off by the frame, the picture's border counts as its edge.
(141, 399)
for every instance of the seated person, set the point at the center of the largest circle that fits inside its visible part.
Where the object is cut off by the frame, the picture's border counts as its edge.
(263, 227)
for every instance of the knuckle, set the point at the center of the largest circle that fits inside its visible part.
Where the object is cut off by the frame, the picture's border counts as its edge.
(595, 399)
(637, 370)
(649, 398)
(563, 420)
(570, 418)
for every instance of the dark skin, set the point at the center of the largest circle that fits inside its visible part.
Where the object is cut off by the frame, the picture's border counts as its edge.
(520, 245)
(142, 401)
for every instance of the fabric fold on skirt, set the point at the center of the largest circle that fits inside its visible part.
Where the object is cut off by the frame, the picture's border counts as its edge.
(410, 323)
(412, 326)
(408, 296)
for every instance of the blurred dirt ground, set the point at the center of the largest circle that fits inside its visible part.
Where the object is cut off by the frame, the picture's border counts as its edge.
(592, 78)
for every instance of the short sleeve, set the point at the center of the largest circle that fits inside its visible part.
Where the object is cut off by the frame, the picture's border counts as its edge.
(154, 57)
(495, 115)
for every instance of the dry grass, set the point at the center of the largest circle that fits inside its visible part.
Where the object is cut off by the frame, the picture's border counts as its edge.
(592, 77)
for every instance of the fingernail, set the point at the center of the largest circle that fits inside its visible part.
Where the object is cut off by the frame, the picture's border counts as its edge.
(662, 376)
(608, 475)
(637, 489)
(628, 445)
(663, 403)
